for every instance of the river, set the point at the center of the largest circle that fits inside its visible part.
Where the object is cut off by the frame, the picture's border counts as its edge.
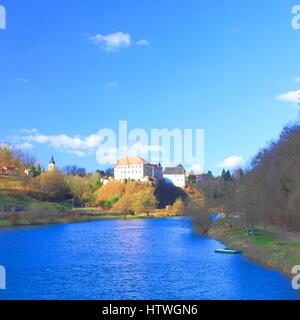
(129, 259)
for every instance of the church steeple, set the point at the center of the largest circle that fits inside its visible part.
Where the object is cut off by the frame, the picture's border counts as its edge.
(51, 165)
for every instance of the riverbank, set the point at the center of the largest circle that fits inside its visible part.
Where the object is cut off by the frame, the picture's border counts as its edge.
(33, 218)
(268, 248)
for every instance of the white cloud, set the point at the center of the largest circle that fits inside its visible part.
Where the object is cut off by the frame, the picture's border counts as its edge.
(84, 146)
(291, 96)
(139, 149)
(232, 162)
(196, 168)
(5, 145)
(106, 155)
(77, 153)
(24, 146)
(111, 84)
(33, 130)
(143, 42)
(80, 146)
(112, 42)
(25, 80)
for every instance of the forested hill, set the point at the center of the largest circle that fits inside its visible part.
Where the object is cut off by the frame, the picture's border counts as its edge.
(268, 191)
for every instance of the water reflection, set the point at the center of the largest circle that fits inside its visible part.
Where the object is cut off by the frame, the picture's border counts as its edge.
(129, 259)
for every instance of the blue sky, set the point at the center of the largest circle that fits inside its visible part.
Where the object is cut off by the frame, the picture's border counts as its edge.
(69, 68)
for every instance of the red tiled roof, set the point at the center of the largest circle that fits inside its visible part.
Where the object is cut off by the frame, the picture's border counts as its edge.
(4, 168)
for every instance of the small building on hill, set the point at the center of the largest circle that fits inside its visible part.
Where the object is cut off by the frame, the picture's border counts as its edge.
(138, 169)
(175, 175)
(9, 170)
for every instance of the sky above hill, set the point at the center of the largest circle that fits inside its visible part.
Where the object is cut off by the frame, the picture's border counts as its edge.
(71, 68)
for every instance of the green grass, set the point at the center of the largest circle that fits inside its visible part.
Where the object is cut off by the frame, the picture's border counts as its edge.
(294, 259)
(266, 239)
(87, 209)
(4, 223)
(47, 205)
(9, 201)
(28, 203)
(266, 248)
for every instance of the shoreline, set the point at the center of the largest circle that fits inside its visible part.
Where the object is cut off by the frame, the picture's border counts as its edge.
(78, 216)
(265, 249)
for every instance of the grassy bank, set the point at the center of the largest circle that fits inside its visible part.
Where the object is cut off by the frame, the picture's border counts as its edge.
(43, 217)
(26, 203)
(264, 248)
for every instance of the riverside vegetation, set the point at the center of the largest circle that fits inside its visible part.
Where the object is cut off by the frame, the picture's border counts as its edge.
(261, 202)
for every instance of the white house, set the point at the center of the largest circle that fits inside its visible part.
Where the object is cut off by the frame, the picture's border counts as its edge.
(175, 175)
(136, 168)
(106, 181)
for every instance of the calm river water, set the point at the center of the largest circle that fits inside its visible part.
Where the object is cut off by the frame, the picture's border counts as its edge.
(133, 259)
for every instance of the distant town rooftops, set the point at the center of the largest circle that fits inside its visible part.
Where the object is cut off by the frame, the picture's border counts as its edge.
(174, 170)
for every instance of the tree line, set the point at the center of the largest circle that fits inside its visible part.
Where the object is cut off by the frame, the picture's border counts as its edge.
(267, 192)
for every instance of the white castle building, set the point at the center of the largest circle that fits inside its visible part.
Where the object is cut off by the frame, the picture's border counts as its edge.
(175, 175)
(136, 168)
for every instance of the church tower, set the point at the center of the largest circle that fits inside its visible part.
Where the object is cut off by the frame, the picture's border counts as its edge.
(51, 165)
